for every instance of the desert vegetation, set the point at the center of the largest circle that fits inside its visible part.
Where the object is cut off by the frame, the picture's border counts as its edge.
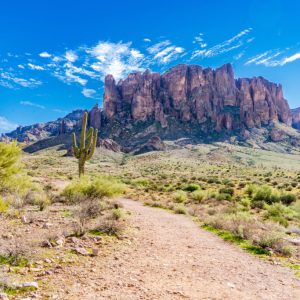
(47, 223)
(50, 217)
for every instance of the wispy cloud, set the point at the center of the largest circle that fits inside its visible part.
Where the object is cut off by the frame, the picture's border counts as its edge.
(6, 126)
(29, 103)
(35, 67)
(235, 42)
(146, 40)
(274, 58)
(164, 52)
(10, 80)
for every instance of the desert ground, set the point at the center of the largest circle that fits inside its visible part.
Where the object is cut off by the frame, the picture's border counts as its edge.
(213, 221)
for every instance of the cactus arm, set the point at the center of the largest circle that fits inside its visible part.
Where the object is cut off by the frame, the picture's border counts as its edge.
(75, 148)
(93, 147)
(83, 131)
(89, 138)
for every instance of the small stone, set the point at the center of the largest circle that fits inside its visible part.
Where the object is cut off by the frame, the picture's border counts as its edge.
(48, 260)
(47, 225)
(3, 296)
(32, 284)
(7, 236)
(95, 252)
(60, 241)
(81, 251)
(230, 285)
(24, 219)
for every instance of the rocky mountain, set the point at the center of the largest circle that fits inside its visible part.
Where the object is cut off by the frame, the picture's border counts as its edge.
(187, 101)
(296, 118)
(41, 131)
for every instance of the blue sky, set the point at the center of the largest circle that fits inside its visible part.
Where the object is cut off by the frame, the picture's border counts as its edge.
(54, 54)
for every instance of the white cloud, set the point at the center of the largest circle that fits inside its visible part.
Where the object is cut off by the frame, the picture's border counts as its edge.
(291, 58)
(164, 52)
(224, 47)
(146, 40)
(89, 93)
(35, 67)
(9, 78)
(71, 56)
(21, 67)
(29, 103)
(117, 59)
(273, 58)
(45, 54)
(6, 126)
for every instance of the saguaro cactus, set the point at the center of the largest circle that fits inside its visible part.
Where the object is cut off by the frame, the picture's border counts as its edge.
(87, 145)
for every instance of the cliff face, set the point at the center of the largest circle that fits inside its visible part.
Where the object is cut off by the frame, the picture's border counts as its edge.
(296, 118)
(191, 94)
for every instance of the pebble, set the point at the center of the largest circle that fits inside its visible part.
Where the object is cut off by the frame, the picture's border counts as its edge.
(81, 251)
(3, 296)
(32, 284)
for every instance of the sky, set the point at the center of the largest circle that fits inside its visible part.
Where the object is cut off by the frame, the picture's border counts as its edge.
(54, 54)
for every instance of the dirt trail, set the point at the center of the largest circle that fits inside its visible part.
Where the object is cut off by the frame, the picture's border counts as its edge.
(170, 257)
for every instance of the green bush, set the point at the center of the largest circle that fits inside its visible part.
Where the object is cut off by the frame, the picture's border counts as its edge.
(12, 175)
(99, 187)
(227, 190)
(180, 196)
(223, 196)
(3, 206)
(287, 199)
(197, 196)
(192, 187)
(140, 182)
(279, 213)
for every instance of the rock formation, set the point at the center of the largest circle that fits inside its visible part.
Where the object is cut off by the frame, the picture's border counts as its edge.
(296, 118)
(191, 94)
(186, 101)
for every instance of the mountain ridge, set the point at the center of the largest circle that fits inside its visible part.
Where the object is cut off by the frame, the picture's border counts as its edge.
(187, 101)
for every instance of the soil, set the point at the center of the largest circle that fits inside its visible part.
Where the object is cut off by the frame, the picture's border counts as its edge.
(167, 256)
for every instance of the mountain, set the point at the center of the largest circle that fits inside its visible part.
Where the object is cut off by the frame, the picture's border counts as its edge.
(296, 118)
(41, 131)
(187, 101)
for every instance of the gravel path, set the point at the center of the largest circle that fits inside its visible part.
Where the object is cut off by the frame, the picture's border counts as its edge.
(170, 257)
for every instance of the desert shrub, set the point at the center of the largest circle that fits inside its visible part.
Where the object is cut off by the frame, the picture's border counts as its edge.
(88, 210)
(287, 199)
(296, 208)
(42, 201)
(279, 213)
(260, 195)
(140, 182)
(99, 187)
(197, 195)
(227, 190)
(240, 224)
(224, 196)
(109, 226)
(191, 187)
(117, 213)
(3, 206)
(180, 209)
(180, 196)
(12, 176)
(274, 240)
